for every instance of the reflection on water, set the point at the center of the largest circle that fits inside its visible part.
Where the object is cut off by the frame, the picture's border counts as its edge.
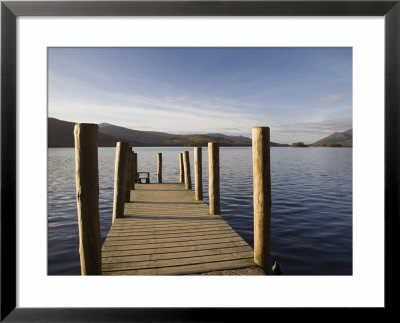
(311, 203)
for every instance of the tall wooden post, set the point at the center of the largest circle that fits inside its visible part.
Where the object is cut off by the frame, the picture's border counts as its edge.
(136, 166)
(262, 197)
(198, 175)
(213, 182)
(186, 167)
(128, 175)
(121, 161)
(181, 172)
(133, 170)
(87, 197)
(159, 167)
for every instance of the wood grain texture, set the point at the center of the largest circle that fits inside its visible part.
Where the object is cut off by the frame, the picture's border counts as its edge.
(121, 159)
(262, 196)
(181, 172)
(159, 167)
(213, 181)
(133, 170)
(87, 197)
(198, 173)
(128, 175)
(166, 231)
(135, 156)
(186, 169)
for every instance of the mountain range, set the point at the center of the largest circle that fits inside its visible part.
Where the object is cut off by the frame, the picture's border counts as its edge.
(152, 138)
(60, 134)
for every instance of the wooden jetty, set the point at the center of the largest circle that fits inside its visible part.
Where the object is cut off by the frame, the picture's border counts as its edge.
(165, 231)
(165, 228)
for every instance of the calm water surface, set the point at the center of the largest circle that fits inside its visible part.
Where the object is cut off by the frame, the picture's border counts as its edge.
(311, 220)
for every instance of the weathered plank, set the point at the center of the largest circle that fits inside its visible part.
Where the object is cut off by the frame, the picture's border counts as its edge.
(161, 250)
(175, 255)
(210, 242)
(187, 269)
(165, 231)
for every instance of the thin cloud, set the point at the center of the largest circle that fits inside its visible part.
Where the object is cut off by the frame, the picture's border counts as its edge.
(183, 119)
(332, 98)
(181, 91)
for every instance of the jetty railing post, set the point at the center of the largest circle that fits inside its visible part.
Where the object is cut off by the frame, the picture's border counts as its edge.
(128, 175)
(181, 172)
(87, 197)
(186, 167)
(198, 175)
(213, 182)
(159, 167)
(262, 196)
(133, 171)
(121, 161)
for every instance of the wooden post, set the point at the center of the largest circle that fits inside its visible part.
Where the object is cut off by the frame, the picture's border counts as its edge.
(213, 182)
(186, 167)
(120, 179)
(198, 175)
(128, 175)
(133, 170)
(136, 166)
(262, 197)
(159, 167)
(87, 197)
(182, 174)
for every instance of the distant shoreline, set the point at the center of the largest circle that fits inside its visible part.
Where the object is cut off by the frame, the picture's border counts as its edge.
(60, 135)
(232, 146)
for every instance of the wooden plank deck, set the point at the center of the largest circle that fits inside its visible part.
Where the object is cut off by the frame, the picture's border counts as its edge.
(165, 231)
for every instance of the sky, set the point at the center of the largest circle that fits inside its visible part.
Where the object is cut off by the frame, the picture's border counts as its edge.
(302, 94)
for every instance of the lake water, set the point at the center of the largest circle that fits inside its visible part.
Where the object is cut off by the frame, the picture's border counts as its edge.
(311, 222)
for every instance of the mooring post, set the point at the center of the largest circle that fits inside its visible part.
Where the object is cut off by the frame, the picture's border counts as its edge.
(159, 167)
(186, 167)
(133, 174)
(128, 175)
(181, 172)
(262, 196)
(213, 182)
(198, 175)
(87, 197)
(136, 166)
(121, 161)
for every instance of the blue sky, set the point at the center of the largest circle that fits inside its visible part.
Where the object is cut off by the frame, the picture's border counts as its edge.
(302, 94)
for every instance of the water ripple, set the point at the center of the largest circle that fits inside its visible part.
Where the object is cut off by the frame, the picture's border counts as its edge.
(311, 190)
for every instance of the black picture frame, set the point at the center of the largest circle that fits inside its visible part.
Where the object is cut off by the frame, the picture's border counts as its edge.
(10, 10)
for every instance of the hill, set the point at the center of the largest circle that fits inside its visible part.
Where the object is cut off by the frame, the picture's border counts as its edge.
(60, 134)
(153, 138)
(337, 139)
(134, 137)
